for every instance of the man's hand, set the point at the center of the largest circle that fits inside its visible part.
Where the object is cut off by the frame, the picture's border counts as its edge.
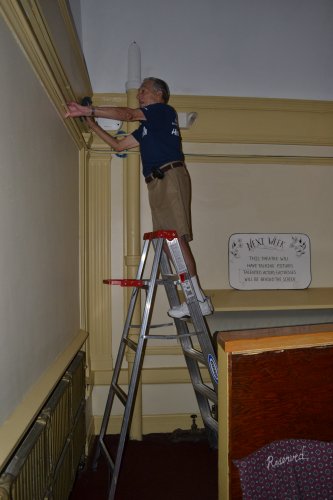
(75, 110)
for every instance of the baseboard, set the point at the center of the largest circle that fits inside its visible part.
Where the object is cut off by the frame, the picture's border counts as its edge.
(151, 423)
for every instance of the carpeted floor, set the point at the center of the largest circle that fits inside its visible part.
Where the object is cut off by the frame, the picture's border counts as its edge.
(160, 467)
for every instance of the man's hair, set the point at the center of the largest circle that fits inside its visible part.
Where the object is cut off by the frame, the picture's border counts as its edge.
(160, 86)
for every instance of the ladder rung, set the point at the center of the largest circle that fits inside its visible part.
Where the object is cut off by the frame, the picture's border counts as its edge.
(206, 391)
(161, 325)
(120, 393)
(124, 282)
(131, 344)
(171, 278)
(197, 355)
(170, 336)
(168, 276)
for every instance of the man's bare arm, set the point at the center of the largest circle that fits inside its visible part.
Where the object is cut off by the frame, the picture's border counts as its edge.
(114, 113)
(128, 142)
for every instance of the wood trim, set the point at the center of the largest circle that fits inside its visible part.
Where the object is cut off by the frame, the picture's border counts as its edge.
(35, 41)
(271, 300)
(270, 339)
(223, 428)
(98, 220)
(151, 423)
(236, 153)
(246, 120)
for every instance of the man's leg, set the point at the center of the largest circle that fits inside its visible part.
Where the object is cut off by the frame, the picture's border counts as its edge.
(188, 256)
(205, 303)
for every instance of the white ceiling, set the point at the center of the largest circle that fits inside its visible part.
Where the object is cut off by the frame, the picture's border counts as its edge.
(252, 48)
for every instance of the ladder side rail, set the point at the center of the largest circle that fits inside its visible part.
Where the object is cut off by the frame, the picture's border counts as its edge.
(129, 316)
(194, 308)
(128, 413)
(195, 374)
(187, 345)
(203, 395)
(119, 361)
(114, 382)
(171, 291)
(137, 365)
(143, 259)
(205, 342)
(182, 329)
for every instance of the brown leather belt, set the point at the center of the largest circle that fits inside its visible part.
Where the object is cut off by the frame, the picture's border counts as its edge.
(164, 168)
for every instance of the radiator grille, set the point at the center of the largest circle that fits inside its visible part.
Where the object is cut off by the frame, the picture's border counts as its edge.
(20, 479)
(76, 375)
(56, 415)
(79, 436)
(68, 463)
(63, 477)
(44, 465)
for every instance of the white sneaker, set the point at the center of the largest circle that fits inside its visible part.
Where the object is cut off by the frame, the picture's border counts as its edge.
(182, 310)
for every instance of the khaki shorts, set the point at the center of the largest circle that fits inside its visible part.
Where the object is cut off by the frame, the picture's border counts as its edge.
(170, 202)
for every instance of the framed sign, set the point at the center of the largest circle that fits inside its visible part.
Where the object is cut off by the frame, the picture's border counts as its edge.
(269, 261)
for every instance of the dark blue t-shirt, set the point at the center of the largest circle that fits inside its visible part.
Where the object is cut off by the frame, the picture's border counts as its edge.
(159, 137)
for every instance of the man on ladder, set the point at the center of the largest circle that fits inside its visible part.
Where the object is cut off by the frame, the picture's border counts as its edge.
(166, 175)
(169, 189)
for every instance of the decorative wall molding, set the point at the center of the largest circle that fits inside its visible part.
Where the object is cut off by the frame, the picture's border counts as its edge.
(29, 26)
(99, 261)
(246, 120)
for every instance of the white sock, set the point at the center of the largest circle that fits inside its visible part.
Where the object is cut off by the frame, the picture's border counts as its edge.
(198, 292)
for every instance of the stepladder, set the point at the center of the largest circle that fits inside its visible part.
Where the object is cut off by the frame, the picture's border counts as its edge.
(161, 263)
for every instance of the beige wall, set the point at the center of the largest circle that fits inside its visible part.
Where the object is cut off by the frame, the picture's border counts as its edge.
(39, 231)
(279, 198)
(277, 180)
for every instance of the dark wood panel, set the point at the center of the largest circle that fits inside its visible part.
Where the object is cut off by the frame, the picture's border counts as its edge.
(279, 395)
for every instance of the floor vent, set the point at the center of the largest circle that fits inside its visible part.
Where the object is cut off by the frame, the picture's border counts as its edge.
(45, 464)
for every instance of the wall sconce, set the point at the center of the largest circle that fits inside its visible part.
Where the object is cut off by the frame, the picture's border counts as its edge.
(186, 120)
(108, 124)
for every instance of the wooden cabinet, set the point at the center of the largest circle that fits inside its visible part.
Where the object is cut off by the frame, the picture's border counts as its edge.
(274, 384)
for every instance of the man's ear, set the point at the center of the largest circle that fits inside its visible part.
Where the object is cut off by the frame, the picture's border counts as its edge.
(160, 95)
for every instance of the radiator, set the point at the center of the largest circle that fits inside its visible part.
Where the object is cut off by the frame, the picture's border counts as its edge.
(44, 465)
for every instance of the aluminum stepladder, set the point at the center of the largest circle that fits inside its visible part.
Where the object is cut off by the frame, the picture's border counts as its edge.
(196, 344)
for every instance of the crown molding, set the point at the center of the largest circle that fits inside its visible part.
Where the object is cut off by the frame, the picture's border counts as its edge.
(28, 25)
(221, 119)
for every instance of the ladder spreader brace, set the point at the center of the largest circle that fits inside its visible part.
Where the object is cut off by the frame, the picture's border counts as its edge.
(196, 345)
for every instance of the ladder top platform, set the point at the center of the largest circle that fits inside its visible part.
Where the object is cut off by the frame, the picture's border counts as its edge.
(169, 235)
